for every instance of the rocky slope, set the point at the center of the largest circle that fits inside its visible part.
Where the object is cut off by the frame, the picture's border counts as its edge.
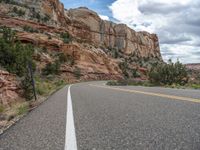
(9, 88)
(109, 34)
(86, 25)
(97, 47)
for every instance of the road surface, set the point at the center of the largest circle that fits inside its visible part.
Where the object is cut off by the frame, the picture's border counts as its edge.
(98, 117)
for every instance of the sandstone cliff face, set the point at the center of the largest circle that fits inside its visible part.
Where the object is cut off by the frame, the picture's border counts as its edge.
(86, 25)
(109, 34)
(53, 10)
(93, 42)
(9, 88)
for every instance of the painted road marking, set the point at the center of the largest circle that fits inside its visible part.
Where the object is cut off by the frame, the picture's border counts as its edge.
(151, 94)
(70, 135)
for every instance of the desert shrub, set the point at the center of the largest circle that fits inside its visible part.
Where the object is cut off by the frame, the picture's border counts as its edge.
(195, 86)
(135, 73)
(15, 9)
(51, 68)
(124, 82)
(40, 90)
(23, 109)
(60, 83)
(43, 85)
(66, 37)
(46, 18)
(26, 85)
(19, 12)
(30, 29)
(35, 14)
(112, 83)
(65, 58)
(114, 52)
(124, 67)
(62, 57)
(14, 55)
(77, 73)
(1, 108)
(14, 3)
(168, 74)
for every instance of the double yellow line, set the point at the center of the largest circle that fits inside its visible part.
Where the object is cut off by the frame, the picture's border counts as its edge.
(151, 94)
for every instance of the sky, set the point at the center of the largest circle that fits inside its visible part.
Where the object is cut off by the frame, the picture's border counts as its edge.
(176, 22)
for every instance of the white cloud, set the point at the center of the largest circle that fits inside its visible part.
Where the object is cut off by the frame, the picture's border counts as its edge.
(175, 21)
(104, 17)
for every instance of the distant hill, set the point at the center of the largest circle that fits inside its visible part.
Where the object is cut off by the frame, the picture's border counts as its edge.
(195, 66)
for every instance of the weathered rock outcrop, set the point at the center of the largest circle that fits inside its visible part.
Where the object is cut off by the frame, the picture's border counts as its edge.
(96, 61)
(92, 62)
(86, 24)
(52, 9)
(9, 88)
(93, 42)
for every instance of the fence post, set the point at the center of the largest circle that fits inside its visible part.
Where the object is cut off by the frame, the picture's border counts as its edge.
(32, 79)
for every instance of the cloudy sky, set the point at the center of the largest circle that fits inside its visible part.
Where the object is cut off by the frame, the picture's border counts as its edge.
(176, 22)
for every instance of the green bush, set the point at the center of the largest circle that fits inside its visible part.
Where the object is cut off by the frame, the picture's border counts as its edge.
(133, 82)
(22, 109)
(14, 55)
(168, 74)
(136, 73)
(30, 29)
(124, 67)
(60, 83)
(66, 37)
(112, 83)
(195, 86)
(46, 18)
(14, 3)
(77, 72)
(65, 58)
(19, 12)
(51, 68)
(40, 90)
(1, 108)
(26, 85)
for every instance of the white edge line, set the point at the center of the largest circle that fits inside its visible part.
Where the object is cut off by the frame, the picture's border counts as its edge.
(70, 135)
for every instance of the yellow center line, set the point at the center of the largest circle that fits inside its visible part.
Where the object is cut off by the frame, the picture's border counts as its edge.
(151, 94)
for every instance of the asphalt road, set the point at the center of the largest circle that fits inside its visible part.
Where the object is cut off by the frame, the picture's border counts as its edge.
(120, 118)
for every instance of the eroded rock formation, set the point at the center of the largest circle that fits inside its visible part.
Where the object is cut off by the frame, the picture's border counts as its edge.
(109, 34)
(9, 88)
(97, 46)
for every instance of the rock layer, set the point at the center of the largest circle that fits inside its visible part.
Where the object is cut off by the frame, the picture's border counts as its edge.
(93, 42)
(8, 88)
(86, 24)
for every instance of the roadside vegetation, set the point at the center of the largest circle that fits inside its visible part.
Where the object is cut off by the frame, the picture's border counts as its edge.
(19, 12)
(16, 58)
(66, 37)
(30, 29)
(129, 72)
(47, 85)
(13, 3)
(173, 75)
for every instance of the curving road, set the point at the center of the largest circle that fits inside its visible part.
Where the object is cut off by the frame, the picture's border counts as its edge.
(97, 117)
